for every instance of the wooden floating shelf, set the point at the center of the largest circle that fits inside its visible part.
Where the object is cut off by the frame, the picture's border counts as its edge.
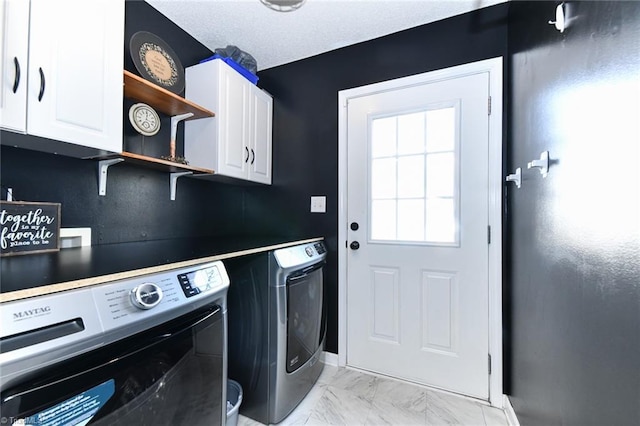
(159, 164)
(176, 169)
(166, 102)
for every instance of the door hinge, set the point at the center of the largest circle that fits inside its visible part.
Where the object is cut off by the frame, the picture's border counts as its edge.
(489, 106)
(489, 363)
(488, 234)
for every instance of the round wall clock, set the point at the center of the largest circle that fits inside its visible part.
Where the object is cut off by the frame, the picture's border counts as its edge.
(156, 61)
(144, 119)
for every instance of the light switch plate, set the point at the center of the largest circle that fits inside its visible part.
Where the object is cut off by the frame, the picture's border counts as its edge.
(319, 204)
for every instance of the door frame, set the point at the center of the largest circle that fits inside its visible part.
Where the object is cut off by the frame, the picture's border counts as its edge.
(494, 68)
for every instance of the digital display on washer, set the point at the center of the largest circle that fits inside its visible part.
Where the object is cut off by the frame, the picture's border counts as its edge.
(199, 281)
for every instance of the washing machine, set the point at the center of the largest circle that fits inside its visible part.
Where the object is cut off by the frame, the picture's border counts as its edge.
(148, 350)
(277, 323)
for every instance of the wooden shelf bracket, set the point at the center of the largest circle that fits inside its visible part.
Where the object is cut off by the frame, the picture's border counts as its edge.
(103, 166)
(174, 182)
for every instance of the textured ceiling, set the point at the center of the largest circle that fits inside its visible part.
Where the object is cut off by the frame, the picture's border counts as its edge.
(276, 38)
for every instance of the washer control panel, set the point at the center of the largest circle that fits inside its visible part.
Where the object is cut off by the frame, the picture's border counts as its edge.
(200, 280)
(127, 301)
(146, 296)
(319, 247)
(299, 255)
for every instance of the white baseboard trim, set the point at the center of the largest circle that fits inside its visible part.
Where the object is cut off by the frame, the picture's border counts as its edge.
(330, 358)
(512, 419)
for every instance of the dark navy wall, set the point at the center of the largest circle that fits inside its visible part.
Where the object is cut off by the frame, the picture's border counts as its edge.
(140, 16)
(575, 235)
(571, 291)
(137, 205)
(305, 129)
(305, 147)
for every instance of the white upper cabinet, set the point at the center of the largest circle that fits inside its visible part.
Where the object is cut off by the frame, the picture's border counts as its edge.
(75, 73)
(237, 141)
(14, 47)
(261, 131)
(233, 118)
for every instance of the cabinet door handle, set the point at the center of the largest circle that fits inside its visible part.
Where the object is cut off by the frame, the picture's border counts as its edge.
(16, 81)
(42, 83)
(246, 159)
(253, 156)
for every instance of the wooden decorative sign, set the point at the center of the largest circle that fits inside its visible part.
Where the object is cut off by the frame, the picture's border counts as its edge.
(29, 227)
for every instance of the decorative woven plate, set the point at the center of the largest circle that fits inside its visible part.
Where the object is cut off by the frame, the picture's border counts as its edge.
(156, 61)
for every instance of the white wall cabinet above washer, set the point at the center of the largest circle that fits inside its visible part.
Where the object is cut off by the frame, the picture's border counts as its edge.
(261, 144)
(73, 70)
(237, 141)
(14, 16)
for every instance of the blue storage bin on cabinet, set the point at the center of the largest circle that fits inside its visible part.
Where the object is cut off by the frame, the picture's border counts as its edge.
(236, 66)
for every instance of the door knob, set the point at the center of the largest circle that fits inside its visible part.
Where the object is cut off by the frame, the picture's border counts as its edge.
(354, 226)
(354, 245)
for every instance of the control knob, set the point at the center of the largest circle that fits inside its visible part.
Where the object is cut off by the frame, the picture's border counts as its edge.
(146, 296)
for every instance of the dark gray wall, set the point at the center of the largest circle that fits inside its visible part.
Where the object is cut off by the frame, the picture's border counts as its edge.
(571, 291)
(137, 205)
(305, 149)
(574, 315)
(305, 129)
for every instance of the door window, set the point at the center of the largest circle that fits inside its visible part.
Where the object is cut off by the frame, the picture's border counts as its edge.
(414, 170)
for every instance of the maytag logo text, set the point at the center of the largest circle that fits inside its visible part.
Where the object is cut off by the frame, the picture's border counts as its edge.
(30, 313)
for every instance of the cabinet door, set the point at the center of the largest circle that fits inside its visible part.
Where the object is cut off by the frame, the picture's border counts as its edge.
(14, 17)
(261, 117)
(234, 130)
(75, 72)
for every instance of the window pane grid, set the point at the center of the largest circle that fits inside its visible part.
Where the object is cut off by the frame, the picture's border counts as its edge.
(414, 177)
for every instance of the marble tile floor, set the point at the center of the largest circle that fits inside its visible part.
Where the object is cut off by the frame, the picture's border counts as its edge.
(349, 397)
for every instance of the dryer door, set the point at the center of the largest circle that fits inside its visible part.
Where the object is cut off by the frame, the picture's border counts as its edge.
(170, 374)
(304, 315)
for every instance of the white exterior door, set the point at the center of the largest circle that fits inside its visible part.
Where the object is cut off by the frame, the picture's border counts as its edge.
(418, 215)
